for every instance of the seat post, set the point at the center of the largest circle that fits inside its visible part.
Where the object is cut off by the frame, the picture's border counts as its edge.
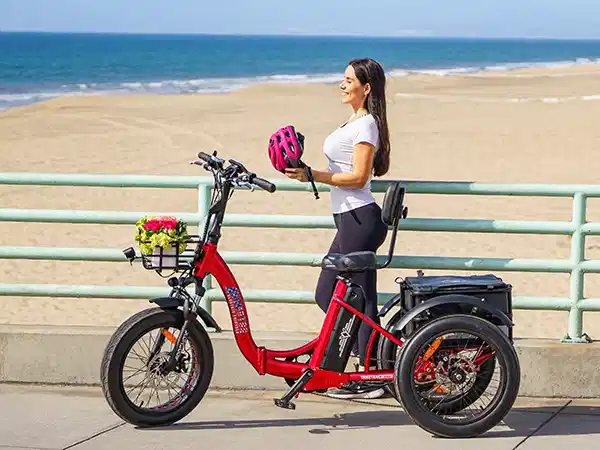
(344, 276)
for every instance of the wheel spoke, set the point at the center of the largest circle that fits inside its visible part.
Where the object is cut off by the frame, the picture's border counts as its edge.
(132, 375)
(156, 392)
(147, 346)
(149, 379)
(141, 358)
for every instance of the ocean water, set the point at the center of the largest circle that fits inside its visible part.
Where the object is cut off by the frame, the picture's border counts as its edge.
(39, 66)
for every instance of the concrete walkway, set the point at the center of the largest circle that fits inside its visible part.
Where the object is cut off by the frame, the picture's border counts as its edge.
(42, 417)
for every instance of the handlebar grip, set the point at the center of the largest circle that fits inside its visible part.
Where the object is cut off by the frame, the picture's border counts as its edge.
(205, 157)
(264, 184)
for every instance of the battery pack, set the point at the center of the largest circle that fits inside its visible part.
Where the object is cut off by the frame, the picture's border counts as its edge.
(345, 332)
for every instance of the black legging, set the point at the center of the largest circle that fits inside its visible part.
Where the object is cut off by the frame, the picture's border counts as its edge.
(360, 229)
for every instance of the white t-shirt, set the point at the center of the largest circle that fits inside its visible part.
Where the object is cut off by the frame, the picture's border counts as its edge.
(339, 149)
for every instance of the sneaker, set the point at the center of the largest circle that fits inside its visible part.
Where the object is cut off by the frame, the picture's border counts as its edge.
(356, 389)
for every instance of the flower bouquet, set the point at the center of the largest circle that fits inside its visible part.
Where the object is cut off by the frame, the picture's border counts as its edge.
(161, 236)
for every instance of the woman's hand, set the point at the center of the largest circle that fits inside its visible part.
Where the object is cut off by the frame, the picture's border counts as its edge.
(296, 174)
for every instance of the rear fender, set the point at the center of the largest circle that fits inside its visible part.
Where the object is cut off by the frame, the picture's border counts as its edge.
(390, 304)
(479, 307)
(174, 303)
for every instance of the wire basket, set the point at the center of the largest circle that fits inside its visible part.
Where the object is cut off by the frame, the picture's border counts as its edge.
(173, 258)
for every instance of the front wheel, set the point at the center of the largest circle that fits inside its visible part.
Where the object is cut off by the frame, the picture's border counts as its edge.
(448, 356)
(136, 380)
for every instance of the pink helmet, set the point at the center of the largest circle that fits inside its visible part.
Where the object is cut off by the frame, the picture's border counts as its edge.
(285, 148)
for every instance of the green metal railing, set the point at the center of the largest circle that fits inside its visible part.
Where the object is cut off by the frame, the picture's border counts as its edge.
(578, 228)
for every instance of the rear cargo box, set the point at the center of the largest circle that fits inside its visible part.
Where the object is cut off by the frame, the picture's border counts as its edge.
(490, 288)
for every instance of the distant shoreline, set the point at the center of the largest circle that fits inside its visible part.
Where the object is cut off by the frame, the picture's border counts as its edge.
(178, 87)
(310, 35)
(45, 65)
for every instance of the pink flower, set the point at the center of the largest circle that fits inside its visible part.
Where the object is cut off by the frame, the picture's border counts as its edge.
(169, 224)
(153, 225)
(157, 223)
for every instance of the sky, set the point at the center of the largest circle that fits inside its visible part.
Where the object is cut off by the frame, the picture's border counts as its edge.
(571, 19)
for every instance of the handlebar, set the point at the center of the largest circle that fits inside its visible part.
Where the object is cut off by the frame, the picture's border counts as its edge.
(263, 184)
(212, 162)
(204, 157)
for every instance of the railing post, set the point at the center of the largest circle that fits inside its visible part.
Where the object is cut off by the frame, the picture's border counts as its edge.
(575, 331)
(204, 192)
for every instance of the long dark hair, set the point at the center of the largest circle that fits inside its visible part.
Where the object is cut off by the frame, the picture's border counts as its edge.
(370, 71)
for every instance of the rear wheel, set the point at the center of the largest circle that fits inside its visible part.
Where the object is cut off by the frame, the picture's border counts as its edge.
(455, 351)
(388, 352)
(135, 379)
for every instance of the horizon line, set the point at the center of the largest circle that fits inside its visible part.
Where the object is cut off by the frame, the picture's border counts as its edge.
(296, 34)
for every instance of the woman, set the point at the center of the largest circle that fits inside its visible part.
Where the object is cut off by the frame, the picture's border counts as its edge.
(356, 150)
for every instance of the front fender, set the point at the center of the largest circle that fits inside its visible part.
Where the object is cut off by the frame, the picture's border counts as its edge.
(174, 303)
(456, 299)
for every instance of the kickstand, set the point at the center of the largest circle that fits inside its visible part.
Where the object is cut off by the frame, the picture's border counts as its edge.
(284, 402)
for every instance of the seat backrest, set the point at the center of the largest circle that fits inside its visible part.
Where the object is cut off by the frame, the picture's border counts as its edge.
(392, 207)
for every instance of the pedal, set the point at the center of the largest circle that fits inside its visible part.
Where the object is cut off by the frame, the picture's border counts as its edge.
(284, 402)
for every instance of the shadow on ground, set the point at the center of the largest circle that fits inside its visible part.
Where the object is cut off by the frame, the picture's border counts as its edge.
(520, 422)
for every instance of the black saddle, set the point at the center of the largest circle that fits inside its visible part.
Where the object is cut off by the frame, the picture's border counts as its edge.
(350, 262)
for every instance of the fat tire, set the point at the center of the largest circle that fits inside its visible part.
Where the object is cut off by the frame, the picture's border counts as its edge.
(119, 345)
(507, 359)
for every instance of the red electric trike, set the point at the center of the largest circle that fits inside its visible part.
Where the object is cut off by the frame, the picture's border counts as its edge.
(446, 356)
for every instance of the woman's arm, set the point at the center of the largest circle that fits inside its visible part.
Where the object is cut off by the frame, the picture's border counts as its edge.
(362, 162)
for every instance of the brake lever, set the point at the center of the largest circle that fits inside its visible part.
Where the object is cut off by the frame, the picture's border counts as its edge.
(243, 182)
(202, 164)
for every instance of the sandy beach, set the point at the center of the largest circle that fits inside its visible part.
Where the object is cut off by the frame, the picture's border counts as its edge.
(528, 126)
